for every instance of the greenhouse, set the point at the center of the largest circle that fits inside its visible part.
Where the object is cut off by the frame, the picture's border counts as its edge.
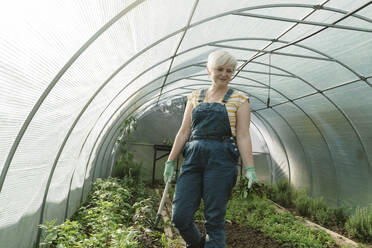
(76, 75)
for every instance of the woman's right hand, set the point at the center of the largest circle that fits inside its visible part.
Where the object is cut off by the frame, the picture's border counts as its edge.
(168, 171)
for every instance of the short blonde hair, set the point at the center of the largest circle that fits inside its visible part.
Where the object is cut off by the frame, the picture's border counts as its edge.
(221, 57)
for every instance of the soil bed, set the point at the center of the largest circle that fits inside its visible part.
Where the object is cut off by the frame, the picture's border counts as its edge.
(243, 237)
(238, 236)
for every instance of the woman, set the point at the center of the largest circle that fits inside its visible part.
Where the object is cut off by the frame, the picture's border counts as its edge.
(214, 130)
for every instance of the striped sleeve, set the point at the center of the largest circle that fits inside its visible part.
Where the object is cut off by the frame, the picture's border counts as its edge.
(232, 106)
(193, 97)
(237, 99)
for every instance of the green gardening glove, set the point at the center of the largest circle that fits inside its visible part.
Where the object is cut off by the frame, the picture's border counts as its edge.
(250, 174)
(168, 171)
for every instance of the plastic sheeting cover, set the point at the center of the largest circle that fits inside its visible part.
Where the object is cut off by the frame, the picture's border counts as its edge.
(72, 71)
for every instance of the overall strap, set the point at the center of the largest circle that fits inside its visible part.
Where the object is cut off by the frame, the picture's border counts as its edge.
(202, 95)
(227, 96)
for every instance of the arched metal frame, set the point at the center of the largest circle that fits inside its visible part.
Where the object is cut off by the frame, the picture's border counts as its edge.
(213, 43)
(187, 66)
(251, 79)
(331, 59)
(121, 14)
(111, 22)
(202, 80)
(293, 75)
(289, 100)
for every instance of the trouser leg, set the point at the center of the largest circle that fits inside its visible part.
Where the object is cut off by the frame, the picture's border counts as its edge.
(186, 202)
(218, 182)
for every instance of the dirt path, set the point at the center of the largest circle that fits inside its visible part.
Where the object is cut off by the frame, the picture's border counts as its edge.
(237, 236)
(243, 237)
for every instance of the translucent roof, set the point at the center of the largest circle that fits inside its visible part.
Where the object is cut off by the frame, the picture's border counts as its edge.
(71, 71)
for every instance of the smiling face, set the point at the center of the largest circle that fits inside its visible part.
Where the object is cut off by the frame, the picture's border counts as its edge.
(221, 66)
(221, 75)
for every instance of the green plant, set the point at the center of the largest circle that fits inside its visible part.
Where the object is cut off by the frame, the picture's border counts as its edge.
(199, 214)
(282, 193)
(341, 215)
(124, 238)
(285, 195)
(303, 203)
(359, 225)
(117, 214)
(49, 233)
(66, 234)
(164, 241)
(144, 213)
(126, 165)
(317, 210)
(260, 214)
(259, 189)
(317, 204)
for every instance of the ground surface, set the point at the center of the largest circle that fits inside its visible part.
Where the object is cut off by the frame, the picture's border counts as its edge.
(243, 237)
(238, 236)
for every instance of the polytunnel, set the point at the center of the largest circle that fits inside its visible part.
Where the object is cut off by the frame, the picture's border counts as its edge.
(72, 71)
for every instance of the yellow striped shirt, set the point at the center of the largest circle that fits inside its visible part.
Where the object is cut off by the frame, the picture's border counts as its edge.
(236, 99)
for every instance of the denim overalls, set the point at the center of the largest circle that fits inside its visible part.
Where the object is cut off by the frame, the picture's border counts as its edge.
(209, 171)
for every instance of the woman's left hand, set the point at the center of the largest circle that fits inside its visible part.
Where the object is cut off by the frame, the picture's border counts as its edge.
(250, 174)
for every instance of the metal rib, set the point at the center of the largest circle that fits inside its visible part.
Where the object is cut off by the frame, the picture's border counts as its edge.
(321, 24)
(179, 43)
